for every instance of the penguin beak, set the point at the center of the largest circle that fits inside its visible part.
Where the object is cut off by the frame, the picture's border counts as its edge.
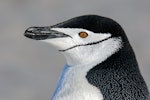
(42, 33)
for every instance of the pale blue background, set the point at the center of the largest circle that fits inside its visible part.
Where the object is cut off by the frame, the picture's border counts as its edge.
(29, 69)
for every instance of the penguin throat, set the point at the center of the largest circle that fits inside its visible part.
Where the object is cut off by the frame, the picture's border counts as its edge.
(73, 83)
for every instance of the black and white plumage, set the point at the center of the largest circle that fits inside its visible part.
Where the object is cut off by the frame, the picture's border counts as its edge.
(101, 64)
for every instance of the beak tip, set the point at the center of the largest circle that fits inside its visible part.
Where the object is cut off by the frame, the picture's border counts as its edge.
(26, 32)
(29, 33)
(33, 34)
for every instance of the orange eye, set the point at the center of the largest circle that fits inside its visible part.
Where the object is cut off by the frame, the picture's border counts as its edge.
(83, 34)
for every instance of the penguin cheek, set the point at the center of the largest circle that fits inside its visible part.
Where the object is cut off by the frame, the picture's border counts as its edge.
(60, 43)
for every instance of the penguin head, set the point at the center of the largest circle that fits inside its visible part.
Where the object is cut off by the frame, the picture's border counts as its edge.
(82, 39)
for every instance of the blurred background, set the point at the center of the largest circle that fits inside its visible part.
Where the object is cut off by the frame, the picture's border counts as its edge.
(29, 70)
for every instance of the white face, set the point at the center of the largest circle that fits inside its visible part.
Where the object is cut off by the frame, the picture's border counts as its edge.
(78, 50)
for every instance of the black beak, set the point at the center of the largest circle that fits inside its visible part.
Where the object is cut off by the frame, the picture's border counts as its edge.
(42, 33)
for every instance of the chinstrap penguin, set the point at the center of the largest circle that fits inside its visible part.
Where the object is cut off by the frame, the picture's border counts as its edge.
(101, 64)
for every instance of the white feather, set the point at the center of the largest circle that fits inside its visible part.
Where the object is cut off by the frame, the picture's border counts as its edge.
(81, 59)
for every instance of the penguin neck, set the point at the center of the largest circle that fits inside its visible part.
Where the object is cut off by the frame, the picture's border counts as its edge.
(80, 61)
(123, 61)
(119, 77)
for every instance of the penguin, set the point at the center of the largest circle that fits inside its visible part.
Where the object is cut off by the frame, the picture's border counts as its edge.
(101, 64)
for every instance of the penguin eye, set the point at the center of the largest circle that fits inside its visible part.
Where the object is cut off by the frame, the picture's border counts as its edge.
(83, 34)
